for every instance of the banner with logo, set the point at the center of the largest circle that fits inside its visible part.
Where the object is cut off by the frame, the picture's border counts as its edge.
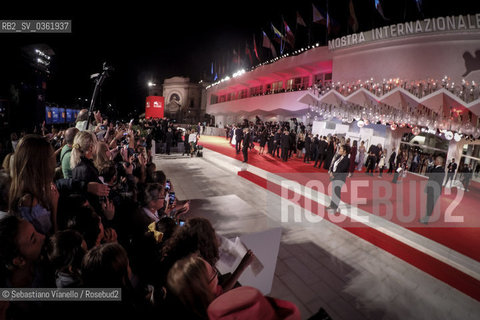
(154, 107)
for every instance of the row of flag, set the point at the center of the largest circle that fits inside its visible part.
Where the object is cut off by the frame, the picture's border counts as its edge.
(287, 39)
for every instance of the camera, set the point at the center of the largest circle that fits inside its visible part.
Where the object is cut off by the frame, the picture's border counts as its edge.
(167, 185)
(181, 223)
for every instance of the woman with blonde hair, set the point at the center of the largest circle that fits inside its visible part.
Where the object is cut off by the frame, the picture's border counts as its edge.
(83, 151)
(33, 195)
(7, 163)
(103, 155)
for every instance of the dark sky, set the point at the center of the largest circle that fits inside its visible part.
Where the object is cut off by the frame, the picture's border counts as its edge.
(160, 39)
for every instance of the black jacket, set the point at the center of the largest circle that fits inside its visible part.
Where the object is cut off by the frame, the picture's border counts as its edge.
(322, 146)
(285, 141)
(246, 142)
(452, 167)
(435, 180)
(341, 171)
(85, 171)
(238, 134)
(308, 143)
(169, 137)
(392, 157)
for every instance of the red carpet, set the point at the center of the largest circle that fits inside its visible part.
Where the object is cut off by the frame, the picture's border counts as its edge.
(424, 262)
(407, 204)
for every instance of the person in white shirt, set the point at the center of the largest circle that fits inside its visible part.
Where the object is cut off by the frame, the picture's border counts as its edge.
(192, 139)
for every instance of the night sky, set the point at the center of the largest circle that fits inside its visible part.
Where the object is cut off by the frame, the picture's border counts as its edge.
(155, 40)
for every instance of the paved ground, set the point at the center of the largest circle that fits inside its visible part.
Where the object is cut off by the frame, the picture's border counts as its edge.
(320, 265)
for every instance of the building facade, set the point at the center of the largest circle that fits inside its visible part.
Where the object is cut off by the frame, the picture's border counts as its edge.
(183, 100)
(411, 85)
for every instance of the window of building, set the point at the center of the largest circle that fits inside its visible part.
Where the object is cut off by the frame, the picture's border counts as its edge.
(213, 99)
(268, 88)
(277, 86)
(319, 78)
(242, 94)
(328, 77)
(289, 86)
(305, 83)
(222, 98)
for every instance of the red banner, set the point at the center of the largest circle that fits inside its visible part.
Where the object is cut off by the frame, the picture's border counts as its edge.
(154, 107)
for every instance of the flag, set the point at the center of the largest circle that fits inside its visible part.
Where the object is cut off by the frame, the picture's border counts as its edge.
(255, 47)
(378, 6)
(332, 25)
(268, 44)
(248, 53)
(211, 68)
(317, 16)
(278, 34)
(328, 23)
(279, 37)
(289, 35)
(300, 20)
(353, 18)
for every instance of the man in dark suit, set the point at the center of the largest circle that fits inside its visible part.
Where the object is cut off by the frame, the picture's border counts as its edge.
(391, 162)
(433, 189)
(238, 138)
(246, 143)
(285, 144)
(371, 159)
(338, 175)
(308, 147)
(169, 140)
(276, 142)
(452, 167)
(322, 150)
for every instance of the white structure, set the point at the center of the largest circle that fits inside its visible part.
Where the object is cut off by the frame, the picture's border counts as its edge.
(183, 99)
(420, 73)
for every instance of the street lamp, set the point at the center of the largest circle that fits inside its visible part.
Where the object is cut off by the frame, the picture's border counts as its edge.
(151, 84)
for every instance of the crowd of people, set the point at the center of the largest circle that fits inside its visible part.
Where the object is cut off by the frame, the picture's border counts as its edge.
(86, 207)
(341, 157)
(290, 139)
(285, 141)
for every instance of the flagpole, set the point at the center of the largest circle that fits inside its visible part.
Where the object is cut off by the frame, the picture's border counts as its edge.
(328, 22)
(295, 34)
